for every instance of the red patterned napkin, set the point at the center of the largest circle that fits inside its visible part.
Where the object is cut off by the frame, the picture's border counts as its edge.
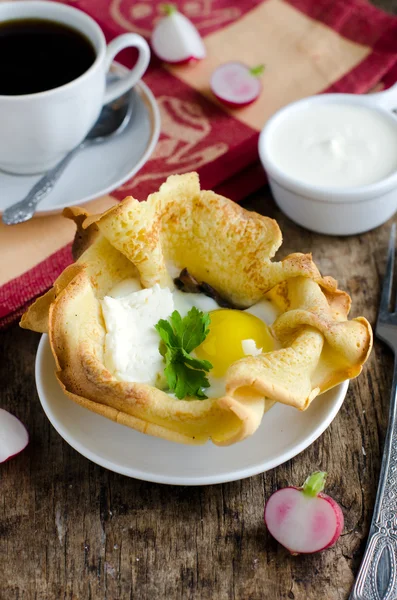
(308, 46)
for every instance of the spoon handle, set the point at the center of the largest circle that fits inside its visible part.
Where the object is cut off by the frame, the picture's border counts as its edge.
(24, 209)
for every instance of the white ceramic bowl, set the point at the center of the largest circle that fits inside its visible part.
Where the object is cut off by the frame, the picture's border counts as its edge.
(333, 211)
(283, 433)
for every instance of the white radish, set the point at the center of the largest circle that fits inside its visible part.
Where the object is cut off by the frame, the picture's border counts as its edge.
(175, 39)
(235, 84)
(13, 435)
(304, 520)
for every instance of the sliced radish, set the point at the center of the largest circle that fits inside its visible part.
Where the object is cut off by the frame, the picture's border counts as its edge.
(13, 435)
(175, 39)
(235, 84)
(304, 520)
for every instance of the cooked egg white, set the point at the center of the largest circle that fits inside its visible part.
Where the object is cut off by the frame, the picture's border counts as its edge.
(130, 314)
(132, 343)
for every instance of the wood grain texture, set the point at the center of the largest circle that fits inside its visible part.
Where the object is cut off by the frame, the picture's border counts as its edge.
(388, 5)
(72, 530)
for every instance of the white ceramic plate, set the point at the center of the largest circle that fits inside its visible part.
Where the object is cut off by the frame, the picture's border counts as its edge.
(284, 433)
(100, 169)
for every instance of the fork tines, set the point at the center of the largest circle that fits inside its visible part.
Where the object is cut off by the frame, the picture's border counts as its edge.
(384, 307)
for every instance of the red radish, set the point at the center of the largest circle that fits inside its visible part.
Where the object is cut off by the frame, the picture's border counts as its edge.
(13, 435)
(175, 39)
(304, 520)
(235, 84)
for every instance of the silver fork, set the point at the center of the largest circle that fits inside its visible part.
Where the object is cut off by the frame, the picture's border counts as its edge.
(377, 577)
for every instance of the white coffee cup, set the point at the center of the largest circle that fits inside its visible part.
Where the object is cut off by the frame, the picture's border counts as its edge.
(37, 130)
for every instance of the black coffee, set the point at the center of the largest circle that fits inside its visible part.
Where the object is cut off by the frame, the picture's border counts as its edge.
(38, 55)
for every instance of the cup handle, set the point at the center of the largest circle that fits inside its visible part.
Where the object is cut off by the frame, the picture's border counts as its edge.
(127, 40)
(386, 99)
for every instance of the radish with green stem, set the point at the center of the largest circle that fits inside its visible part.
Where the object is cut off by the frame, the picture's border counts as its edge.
(304, 520)
(235, 84)
(13, 435)
(175, 39)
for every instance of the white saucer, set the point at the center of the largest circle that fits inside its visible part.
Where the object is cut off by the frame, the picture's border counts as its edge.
(284, 433)
(100, 169)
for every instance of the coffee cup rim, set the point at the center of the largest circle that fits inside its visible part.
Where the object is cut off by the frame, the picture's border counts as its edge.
(31, 6)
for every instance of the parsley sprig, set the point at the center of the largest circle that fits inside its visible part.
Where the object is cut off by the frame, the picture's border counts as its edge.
(185, 374)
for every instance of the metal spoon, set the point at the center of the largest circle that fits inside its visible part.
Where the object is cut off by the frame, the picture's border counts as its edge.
(113, 119)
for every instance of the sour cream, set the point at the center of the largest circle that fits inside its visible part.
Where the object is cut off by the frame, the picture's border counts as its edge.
(335, 145)
(130, 314)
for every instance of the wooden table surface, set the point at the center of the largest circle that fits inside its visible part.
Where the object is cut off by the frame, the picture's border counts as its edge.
(70, 529)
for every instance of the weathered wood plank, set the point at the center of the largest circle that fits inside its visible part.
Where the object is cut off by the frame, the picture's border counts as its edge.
(70, 529)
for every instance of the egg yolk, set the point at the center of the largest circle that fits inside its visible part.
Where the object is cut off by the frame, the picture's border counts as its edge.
(223, 344)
